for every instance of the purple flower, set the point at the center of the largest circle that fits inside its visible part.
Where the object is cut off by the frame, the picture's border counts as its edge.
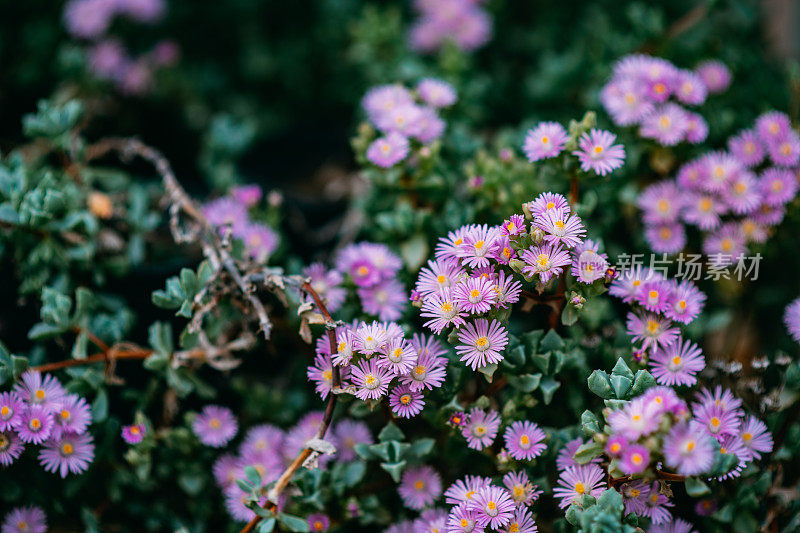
(145, 11)
(385, 300)
(247, 195)
(661, 203)
(524, 440)
(755, 437)
(443, 310)
(513, 225)
(236, 504)
(321, 373)
(134, 433)
(371, 381)
(481, 428)
(89, 19)
(546, 140)
(656, 505)
(717, 420)
(651, 330)
(588, 266)
(36, 424)
(576, 481)
(666, 238)
(328, 284)
(383, 98)
(636, 419)
(743, 194)
(688, 449)
(626, 100)
(773, 127)
(746, 146)
(215, 426)
(654, 295)
(626, 285)
(398, 356)
(635, 459)
(305, 429)
(262, 440)
(769, 215)
(493, 506)
(786, 151)
(677, 525)
(420, 487)
(561, 228)
(522, 491)
(436, 93)
(720, 168)
(791, 318)
(522, 522)
(616, 445)
(678, 363)
(475, 295)
(696, 128)
(715, 75)
(72, 416)
(318, 522)
(462, 519)
(480, 243)
(405, 402)
(508, 289)
(68, 454)
(778, 186)
(429, 372)
(227, 212)
(47, 393)
(690, 88)
(11, 409)
(10, 447)
(464, 490)
(706, 507)
(259, 241)
(481, 343)
(667, 125)
(687, 302)
(440, 274)
(387, 151)
(226, 469)
(347, 434)
(29, 519)
(547, 202)
(598, 153)
(635, 496)
(546, 260)
(725, 245)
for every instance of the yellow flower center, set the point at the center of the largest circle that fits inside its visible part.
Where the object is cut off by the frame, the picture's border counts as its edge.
(665, 122)
(64, 414)
(663, 205)
(513, 528)
(474, 293)
(774, 127)
(636, 418)
(545, 139)
(441, 279)
(215, 423)
(559, 224)
(67, 448)
(511, 227)
(405, 399)
(134, 430)
(676, 360)
(690, 446)
(464, 522)
(550, 205)
(635, 493)
(363, 271)
(491, 505)
(747, 436)
(653, 294)
(682, 304)
(519, 491)
(370, 379)
(777, 185)
(524, 440)
(4, 410)
(507, 252)
(318, 525)
(652, 326)
(579, 488)
(616, 447)
(659, 88)
(458, 242)
(419, 369)
(36, 423)
(665, 233)
(40, 394)
(726, 244)
(446, 307)
(480, 342)
(715, 421)
(327, 374)
(637, 459)
(479, 245)
(740, 188)
(705, 204)
(419, 484)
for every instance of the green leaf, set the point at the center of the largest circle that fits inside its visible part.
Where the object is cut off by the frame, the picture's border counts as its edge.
(390, 432)
(611, 501)
(643, 381)
(589, 423)
(548, 387)
(696, 487)
(364, 452)
(100, 406)
(525, 382)
(293, 523)
(621, 385)
(488, 371)
(551, 341)
(354, 473)
(569, 315)
(420, 448)
(622, 369)
(586, 452)
(252, 475)
(380, 450)
(600, 384)
(192, 484)
(267, 525)
(395, 469)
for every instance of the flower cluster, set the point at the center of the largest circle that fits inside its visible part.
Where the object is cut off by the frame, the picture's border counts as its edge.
(595, 151)
(791, 318)
(269, 449)
(215, 426)
(30, 519)
(712, 437)
(108, 59)
(404, 116)
(371, 356)
(231, 213)
(373, 269)
(471, 277)
(734, 195)
(461, 22)
(658, 303)
(40, 411)
(639, 93)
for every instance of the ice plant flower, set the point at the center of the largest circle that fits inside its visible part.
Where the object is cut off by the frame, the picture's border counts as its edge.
(46, 392)
(715, 75)
(522, 491)
(370, 380)
(635, 459)
(475, 295)
(10, 447)
(481, 428)
(36, 424)
(318, 522)
(348, 433)
(389, 150)
(70, 454)
(652, 330)
(791, 318)
(420, 487)
(215, 426)
(436, 93)
(548, 202)
(524, 440)
(544, 141)
(133, 434)
(443, 310)
(678, 363)
(667, 125)
(72, 415)
(493, 505)
(546, 261)
(575, 481)
(405, 402)
(29, 519)
(636, 419)
(481, 343)
(755, 437)
(596, 152)
(561, 228)
(11, 409)
(688, 449)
